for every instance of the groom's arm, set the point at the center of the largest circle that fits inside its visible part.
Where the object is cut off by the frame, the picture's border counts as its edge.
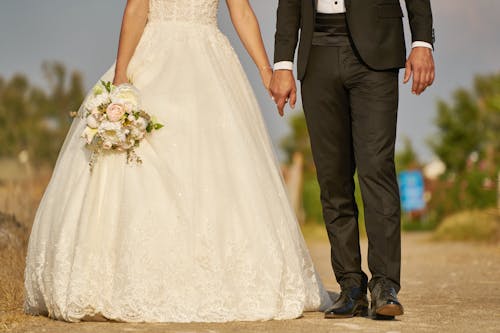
(287, 30)
(283, 87)
(420, 63)
(420, 17)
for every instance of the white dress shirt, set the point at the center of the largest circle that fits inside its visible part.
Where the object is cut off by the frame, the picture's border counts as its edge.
(331, 6)
(335, 7)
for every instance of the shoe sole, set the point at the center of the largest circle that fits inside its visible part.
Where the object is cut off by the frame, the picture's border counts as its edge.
(362, 312)
(389, 311)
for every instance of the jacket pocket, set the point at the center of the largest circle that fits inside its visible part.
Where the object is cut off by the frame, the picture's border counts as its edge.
(389, 11)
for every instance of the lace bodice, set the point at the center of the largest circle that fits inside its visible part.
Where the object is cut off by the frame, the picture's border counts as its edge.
(199, 11)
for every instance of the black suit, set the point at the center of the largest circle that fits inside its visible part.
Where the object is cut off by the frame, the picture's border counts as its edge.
(375, 25)
(349, 82)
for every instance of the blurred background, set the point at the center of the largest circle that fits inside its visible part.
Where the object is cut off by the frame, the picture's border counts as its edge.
(448, 149)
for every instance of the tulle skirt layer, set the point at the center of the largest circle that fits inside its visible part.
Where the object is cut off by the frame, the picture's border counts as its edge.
(201, 231)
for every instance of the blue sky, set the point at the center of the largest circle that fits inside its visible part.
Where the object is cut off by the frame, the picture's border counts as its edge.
(84, 35)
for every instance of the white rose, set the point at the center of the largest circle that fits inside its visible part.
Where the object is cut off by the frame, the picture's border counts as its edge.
(92, 122)
(113, 132)
(127, 95)
(107, 125)
(93, 102)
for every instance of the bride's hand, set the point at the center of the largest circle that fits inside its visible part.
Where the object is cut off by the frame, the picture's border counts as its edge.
(266, 75)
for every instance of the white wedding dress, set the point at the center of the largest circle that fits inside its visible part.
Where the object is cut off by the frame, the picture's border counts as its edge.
(202, 231)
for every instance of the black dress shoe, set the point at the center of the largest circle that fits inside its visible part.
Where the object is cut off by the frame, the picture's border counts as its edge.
(351, 302)
(385, 304)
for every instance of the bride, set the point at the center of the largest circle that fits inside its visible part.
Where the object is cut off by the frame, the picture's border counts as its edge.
(202, 231)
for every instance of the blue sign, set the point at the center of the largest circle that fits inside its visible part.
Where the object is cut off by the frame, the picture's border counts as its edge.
(411, 188)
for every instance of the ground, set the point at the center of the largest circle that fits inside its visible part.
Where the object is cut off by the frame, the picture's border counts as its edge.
(447, 287)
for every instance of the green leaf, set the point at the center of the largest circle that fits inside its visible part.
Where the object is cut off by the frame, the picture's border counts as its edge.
(157, 126)
(108, 85)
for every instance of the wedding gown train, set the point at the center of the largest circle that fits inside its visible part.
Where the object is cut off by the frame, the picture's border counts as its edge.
(202, 231)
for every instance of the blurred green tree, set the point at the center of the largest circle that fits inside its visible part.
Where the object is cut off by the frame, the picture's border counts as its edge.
(468, 142)
(298, 141)
(407, 158)
(470, 124)
(36, 120)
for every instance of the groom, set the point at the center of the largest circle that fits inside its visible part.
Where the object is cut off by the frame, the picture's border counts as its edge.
(348, 62)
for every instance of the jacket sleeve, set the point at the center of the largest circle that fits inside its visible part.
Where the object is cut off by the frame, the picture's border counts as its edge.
(287, 30)
(420, 17)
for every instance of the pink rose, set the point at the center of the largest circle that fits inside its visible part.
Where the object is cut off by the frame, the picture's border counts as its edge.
(115, 112)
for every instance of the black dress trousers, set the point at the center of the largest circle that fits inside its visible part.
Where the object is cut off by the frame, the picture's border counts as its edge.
(351, 114)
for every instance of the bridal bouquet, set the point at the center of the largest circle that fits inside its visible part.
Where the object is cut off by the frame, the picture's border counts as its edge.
(115, 121)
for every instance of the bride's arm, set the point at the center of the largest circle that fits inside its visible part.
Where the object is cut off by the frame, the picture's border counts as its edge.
(134, 21)
(248, 29)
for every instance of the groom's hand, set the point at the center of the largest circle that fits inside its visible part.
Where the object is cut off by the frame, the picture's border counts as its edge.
(283, 89)
(420, 63)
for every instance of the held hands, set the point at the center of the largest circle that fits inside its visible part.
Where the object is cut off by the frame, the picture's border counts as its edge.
(283, 89)
(420, 63)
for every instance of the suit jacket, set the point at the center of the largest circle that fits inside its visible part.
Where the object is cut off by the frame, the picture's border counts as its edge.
(376, 28)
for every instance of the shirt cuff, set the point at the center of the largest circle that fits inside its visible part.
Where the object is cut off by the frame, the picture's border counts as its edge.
(283, 65)
(421, 44)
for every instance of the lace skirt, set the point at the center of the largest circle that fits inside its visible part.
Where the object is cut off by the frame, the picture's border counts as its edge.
(202, 231)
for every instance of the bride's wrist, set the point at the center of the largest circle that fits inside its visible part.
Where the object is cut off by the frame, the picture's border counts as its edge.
(120, 78)
(265, 72)
(265, 68)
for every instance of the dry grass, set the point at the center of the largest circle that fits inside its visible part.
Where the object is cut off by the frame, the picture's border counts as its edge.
(13, 238)
(11, 276)
(11, 287)
(473, 225)
(20, 198)
(18, 202)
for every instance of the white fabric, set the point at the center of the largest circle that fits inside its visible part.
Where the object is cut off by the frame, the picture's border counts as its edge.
(283, 65)
(203, 230)
(331, 6)
(421, 44)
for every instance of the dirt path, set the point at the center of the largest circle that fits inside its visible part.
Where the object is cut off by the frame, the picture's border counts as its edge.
(447, 287)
